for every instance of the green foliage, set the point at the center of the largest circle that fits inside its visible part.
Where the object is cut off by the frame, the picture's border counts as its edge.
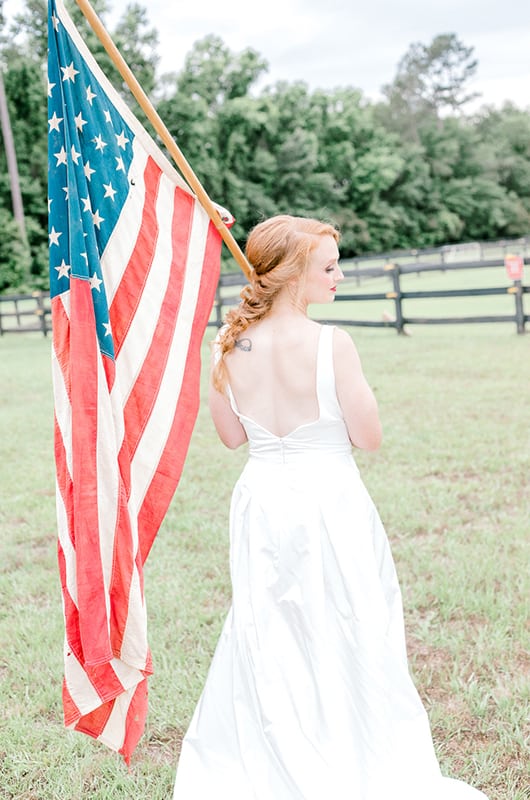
(410, 171)
(137, 43)
(29, 27)
(507, 134)
(430, 79)
(14, 257)
(215, 74)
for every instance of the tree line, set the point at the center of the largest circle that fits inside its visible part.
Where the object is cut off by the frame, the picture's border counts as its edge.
(411, 170)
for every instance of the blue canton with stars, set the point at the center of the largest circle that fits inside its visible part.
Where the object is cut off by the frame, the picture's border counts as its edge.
(89, 155)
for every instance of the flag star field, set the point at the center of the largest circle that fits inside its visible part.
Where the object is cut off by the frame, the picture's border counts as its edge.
(91, 150)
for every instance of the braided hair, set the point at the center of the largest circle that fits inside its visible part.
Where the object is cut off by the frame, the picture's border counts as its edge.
(277, 250)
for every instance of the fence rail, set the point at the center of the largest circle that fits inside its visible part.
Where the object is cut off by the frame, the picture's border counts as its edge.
(31, 312)
(23, 313)
(397, 294)
(452, 253)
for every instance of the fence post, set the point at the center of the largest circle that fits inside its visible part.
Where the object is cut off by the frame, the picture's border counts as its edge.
(395, 295)
(517, 291)
(40, 312)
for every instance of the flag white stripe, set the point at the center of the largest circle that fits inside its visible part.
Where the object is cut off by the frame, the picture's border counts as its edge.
(157, 430)
(128, 674)
(141, 331)
(107, 465)
(120, 246)
(135, 646)
(113, 734)
(81, 690)
(78, 684)
(66, 545)
(134, 649)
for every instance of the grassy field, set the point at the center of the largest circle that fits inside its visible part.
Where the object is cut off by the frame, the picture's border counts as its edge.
(451, 482)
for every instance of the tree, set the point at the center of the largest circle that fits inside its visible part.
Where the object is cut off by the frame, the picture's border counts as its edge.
(430, 80)
(29, 27)
(507, 132)
(215, 74)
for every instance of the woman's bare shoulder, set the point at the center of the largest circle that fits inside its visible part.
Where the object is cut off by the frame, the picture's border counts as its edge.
(343, 344)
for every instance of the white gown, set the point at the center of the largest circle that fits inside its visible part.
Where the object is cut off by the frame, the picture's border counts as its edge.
(309, 695)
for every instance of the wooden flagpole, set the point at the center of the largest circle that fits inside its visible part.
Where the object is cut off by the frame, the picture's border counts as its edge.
(152, 115)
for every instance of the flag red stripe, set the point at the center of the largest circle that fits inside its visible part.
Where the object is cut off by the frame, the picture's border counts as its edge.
(165, 480)
(90, 580)
(70, 612)
(71, 712)
(61, 339)
(135, 722)
(109, 367)
(93, 724)
(129, 292)
(122, 569)
(143, 395)
(104, 680)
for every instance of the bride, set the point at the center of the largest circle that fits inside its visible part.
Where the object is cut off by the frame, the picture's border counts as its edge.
(309, 695)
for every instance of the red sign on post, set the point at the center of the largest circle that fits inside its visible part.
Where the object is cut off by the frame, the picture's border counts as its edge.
(514, 267)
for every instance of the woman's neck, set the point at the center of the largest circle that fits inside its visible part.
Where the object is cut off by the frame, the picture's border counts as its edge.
(286, 305)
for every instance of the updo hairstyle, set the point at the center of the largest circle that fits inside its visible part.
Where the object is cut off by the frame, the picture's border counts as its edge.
(277, 249)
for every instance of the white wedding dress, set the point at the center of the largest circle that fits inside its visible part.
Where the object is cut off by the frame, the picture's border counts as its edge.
(309, 695)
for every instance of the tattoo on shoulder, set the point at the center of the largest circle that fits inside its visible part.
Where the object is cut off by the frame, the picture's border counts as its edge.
(244, 344)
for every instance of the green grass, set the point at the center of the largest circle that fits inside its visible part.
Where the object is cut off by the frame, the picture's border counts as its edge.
(451, 485)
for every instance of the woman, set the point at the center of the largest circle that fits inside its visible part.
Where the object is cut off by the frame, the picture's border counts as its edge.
(309, 695)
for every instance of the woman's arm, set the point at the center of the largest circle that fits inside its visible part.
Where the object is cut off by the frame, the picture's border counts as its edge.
(355, 397)
(227, 424)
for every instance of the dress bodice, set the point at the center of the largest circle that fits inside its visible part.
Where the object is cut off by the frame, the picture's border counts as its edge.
(327, 435)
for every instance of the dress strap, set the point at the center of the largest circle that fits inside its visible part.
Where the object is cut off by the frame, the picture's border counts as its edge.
(326, 392)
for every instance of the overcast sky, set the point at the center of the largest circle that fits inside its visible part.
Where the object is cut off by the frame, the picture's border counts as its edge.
(329, 43)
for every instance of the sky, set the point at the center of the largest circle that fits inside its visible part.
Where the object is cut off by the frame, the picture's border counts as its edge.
(331, 43)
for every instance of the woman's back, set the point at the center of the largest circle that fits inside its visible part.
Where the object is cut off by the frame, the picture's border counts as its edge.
(272, 373)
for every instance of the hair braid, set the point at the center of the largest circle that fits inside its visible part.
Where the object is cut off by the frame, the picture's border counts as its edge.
(278, 250)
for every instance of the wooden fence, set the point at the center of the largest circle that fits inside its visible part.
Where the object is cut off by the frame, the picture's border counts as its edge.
(31, 312)
(21, 313)
(397, 295)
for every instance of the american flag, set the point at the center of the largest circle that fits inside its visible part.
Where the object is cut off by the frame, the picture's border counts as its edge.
(134, 263)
